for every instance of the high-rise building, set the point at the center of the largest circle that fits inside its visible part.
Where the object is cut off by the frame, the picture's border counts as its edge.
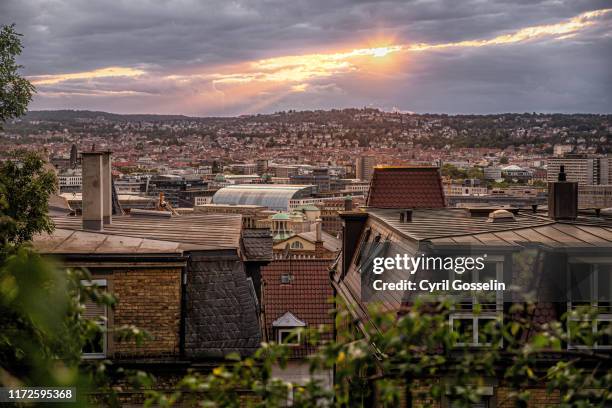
(262, 166)
(364, 167)
(586, 170)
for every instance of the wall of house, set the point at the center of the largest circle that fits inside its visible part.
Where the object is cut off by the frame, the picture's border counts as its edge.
(150, 299)
(298, 372)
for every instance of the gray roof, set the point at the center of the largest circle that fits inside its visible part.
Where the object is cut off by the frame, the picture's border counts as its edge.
(221, 308)
(439, 223)
(273, 196)
(257, 244)
(201, 231)
(66, 241)
(557, 235)
(330, 242)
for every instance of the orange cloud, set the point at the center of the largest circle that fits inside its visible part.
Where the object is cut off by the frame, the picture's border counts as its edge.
(294, 73)
(97, 73)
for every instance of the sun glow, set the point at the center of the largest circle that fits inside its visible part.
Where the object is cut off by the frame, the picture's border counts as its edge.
(269, 79)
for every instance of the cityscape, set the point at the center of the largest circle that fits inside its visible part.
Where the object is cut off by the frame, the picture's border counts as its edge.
(344, 204)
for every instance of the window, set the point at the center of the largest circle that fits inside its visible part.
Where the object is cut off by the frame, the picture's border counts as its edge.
(289, 337)
(96, 347)
(476, 312)
(297, 245)
(484, 402)
(590, 286)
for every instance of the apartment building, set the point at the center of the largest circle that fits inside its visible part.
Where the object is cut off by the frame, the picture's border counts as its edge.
(583, 169)
(560, 247)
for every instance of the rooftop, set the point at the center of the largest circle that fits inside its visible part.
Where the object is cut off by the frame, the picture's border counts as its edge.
(207, 231)
(306, 297)
(273, 196)
(406, 187)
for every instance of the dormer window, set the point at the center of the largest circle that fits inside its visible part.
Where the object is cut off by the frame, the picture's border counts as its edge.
(286, 329)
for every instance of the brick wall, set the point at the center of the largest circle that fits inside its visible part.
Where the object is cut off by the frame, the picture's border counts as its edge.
(150, 299)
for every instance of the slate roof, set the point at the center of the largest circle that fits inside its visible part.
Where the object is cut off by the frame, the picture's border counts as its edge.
(221, 308)
(306, 297)
(406, 187)
(257, 244)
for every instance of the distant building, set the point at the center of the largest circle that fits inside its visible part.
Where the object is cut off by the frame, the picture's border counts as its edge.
(492, 173)
(364, 167)
(514, 172)
(262, 166)
(319, 177)
(70, 181)
(272, 196)
(561, 149)
(178, 190)
(595, 196)
(586, 170)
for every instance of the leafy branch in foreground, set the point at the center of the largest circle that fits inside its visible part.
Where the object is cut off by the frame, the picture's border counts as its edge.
(412, 352)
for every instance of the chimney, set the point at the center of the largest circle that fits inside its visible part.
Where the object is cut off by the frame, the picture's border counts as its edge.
(93, 193)
(107, 195)
(319, 249)
(406, 215)
(348, 203)
(562, 198)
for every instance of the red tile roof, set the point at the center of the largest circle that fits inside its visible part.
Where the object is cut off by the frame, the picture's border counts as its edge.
(306, 297)
(406, 187)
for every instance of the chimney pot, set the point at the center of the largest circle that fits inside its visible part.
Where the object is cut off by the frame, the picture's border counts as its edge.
(319, 230)
(563, 198)
(408, 216)
(348, 203)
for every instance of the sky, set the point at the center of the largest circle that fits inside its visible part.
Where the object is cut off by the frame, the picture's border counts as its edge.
(224, 58)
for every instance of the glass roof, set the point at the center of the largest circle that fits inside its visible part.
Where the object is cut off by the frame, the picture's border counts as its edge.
(273, 196)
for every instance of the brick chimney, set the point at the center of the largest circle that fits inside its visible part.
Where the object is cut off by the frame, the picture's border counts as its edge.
(562, 198)
(97, 195)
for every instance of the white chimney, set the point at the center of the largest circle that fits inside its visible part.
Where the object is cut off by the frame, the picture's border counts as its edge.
(92, 201)
(319, 230)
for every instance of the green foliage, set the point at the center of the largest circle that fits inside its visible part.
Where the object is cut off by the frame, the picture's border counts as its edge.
(15, 91)
(417, 352)
(25, 186)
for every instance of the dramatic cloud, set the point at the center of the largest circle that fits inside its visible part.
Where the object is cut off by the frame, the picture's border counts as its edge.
(231, 58)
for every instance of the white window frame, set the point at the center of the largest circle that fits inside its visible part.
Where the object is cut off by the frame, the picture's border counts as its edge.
(290, 330)
(498, 314)
(593, 263)
(102, 323)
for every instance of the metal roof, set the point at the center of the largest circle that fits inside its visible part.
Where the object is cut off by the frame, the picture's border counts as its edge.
(273, 196)
(198, 231)
(439, 223)
(67, 241)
